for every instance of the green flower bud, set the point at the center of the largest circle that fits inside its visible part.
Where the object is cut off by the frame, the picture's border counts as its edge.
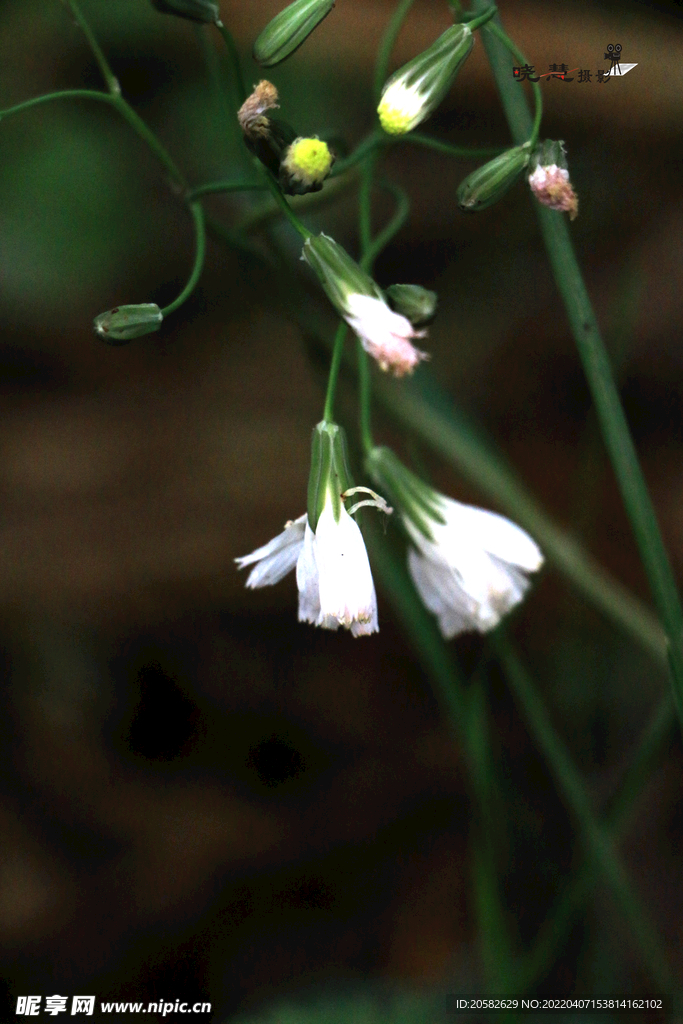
(490, 182)
(410, 300)
(196, 10)
(330, 475)
(304, 166)
(288, 30)
(123, 323)
(413, 92)
(339, 275)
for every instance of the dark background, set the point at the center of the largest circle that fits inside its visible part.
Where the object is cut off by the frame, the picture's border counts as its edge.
(201, 798)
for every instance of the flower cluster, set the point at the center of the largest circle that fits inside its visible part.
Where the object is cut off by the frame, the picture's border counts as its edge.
(469, 566)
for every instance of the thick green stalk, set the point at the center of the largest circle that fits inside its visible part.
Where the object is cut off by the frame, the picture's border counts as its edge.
(613, 424)
(595, 834)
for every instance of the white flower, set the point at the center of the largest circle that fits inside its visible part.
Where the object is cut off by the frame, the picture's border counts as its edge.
(332, 571)
(384, 335)
(473, 570)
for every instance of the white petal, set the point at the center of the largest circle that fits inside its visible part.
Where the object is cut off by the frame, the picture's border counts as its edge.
(487, 530)
(384, 334)
(443, 595)
(307, 580)
(347, 592)
(276, 558)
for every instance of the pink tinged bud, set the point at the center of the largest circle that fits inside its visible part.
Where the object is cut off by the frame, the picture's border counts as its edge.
(552, 188)
(385, 335)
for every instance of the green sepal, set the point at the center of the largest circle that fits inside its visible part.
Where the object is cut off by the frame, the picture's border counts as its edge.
(288, 30)
(123, 323)
(413, 498)
(549, 152)
(492, 180)
(412, 301)
(195, 10)
(330, 475)
(339, 275)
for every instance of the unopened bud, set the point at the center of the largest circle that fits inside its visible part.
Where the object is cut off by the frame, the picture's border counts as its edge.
(304, 166)
(412, 301)
(490, 182)
(549, 180)
(123, 323)
(288, 30)
(196, 10)
(416, 89)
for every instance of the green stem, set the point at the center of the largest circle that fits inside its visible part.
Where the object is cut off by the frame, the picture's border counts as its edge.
(148, 137)
(482, 19)
(200, 250)
(225, 186)
(463, 152)
(595, 835)
(495, 28)
(652, 742)
(283, 204)
(399, 218)
(364, 398)
(374, 140)
(107, 73)
(613, 424)
(337, 352)
(387, 44)
(64, 94)
(234, 60)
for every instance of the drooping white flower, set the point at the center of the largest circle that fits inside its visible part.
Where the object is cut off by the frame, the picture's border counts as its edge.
(469, 565)
(385, 335)
(472, 571)
(332, 571)
(334, 578)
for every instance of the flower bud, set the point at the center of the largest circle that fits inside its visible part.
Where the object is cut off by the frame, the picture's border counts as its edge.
(416, 89)
(330, 475)
(196, 10)
(339, 275)
(489, 183)
(410, 300)
(288, 30)
(549, 180)
(123, 323)
(304, 166)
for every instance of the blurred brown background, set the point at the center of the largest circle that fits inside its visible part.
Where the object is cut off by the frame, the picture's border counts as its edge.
(201, 797)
